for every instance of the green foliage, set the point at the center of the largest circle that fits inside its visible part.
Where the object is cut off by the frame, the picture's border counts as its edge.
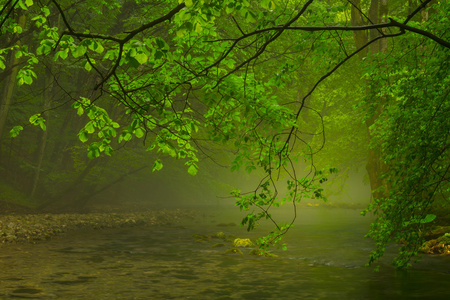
(36, 120)
(181, 76)
(15, 131)
(412, 135)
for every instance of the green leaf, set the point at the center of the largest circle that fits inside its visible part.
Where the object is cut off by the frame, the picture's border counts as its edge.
(193, 169)
(90, 127)
(33, 119)
(157, 165)
(141, 58)
(63, 54)
(88, 66)
(15, 131)
(181, 32)
(78, 51)
(97, 47)
(29, 2)
(94, 152)
(42, 124)
(124, 136)
(83, 136)
(46, 11)
(109, 150)
(139, 132)
(428, 218)
(267, 4)
(198, 27)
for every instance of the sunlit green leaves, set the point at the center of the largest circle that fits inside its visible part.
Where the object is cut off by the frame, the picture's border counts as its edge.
(45, 47)
(193, 168)
(37, 120)
(25, 4)
(96, 46)
(78, 50)
(139, 132)
(83, 136)
(267, 4)
(157, 165)
(99, 123)
(15, 131)
(428, 218)
(25, 76)
(88, 65)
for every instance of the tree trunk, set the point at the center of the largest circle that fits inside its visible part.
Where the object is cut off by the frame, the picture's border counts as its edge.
(43, 140)
(357, 19)
(377, 13)
(10, 84)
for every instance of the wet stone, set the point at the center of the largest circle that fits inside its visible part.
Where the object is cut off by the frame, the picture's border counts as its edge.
(70, 282)
(29, 293)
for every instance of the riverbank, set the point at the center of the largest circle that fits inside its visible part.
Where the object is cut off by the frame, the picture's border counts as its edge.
(31, 228)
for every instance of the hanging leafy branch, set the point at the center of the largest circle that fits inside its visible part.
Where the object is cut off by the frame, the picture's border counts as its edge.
(186, 77)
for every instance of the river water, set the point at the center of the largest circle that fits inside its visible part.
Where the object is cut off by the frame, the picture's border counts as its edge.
(325, 260)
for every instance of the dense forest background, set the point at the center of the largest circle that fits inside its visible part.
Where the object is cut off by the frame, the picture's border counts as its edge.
(289, 95)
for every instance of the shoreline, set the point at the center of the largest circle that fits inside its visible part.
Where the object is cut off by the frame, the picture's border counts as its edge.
(36, 227)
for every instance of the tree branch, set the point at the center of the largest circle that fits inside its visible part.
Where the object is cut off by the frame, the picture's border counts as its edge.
(9, 12)
(403, 26)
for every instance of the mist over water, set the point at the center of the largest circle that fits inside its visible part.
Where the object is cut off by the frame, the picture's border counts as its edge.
(324, 260)
(325, 257)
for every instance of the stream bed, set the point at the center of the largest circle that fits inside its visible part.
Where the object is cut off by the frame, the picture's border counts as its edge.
(325, 260)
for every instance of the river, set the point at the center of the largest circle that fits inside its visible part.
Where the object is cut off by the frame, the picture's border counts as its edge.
(325, 260)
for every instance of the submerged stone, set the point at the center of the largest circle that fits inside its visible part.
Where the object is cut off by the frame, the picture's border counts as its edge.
(234, 251)
(218, 235)
(259, 252)
(200, 238)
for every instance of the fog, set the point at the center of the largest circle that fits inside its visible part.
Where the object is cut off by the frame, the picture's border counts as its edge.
(172, 187)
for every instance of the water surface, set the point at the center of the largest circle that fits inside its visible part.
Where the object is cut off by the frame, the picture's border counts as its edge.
(325, 260)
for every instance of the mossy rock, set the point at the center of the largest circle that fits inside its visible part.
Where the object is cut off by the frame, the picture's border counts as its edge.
(218, 245)
(437, 232)
(242, 243)
(200, 238)
(445, 239)
(234, 251)
(440, 245)
(259, 252)
(218, 235)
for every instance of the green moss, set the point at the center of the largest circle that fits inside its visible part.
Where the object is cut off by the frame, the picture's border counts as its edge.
(242, 243)
(445, 239)
(218, 235)
(440, 245)
(234, 251)
(218, 245)
(201, 238)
